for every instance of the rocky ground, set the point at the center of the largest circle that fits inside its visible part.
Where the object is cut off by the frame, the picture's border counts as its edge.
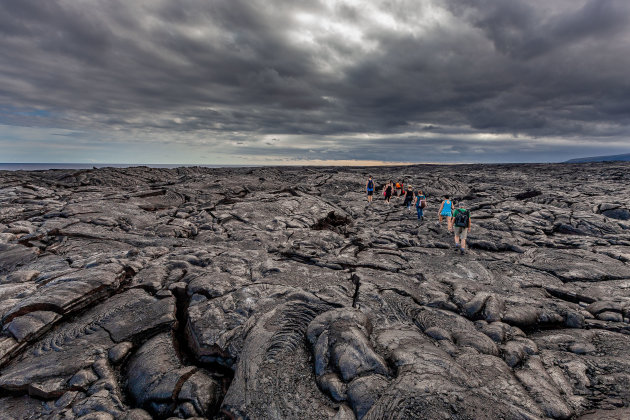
(275, 293)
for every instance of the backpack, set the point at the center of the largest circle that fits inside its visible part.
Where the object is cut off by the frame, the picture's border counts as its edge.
(462, 217)
(370, 185)
(423, 202)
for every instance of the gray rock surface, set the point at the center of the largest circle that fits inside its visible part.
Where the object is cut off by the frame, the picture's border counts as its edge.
(280, 293)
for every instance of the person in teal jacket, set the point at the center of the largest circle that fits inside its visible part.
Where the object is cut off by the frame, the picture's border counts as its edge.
(446, 211)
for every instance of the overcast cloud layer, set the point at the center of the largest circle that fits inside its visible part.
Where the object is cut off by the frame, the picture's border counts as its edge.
(273, 81)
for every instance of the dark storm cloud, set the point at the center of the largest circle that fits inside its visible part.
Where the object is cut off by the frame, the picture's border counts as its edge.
(235, 69)
(530, 29)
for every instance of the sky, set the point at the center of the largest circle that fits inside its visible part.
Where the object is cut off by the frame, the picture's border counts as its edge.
(313, 81)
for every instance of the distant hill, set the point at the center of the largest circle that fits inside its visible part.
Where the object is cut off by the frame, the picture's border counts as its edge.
(625, 157)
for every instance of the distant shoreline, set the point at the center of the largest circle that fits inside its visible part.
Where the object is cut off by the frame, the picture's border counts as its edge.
(82, 166)
(608, 158)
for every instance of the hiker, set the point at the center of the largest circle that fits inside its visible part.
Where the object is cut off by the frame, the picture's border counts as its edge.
(408, 197)
(369, 188)
(461, 226)
(399, 188)
(446, 210)
(388, 190)
(421, 203)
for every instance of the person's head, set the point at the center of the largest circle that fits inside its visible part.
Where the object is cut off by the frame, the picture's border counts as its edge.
(419, 192)
(446, 196)
(370, 177)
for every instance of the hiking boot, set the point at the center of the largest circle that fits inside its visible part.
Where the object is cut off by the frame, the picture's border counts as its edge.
(462, 251)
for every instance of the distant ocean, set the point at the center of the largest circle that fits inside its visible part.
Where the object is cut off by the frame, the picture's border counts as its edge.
(46, 166)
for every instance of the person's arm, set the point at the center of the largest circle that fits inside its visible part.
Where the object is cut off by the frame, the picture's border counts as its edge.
(441, 207)
(469, 222)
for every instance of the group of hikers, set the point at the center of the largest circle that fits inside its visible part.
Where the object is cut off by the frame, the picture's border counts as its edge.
(457, 219)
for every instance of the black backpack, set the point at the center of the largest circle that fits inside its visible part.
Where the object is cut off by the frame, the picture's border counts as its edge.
(370, 185)
(462, 217)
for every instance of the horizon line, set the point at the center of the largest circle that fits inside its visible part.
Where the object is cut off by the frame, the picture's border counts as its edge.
(339, 162)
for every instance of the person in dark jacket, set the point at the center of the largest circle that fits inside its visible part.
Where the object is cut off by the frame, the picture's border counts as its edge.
(369, 189)
(388, 190)
(408, 197)
(421, 202)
